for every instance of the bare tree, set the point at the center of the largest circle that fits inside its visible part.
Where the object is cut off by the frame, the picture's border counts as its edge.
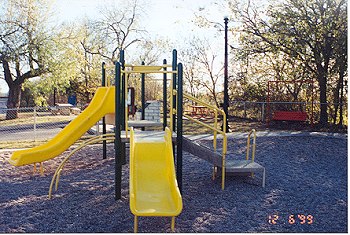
(24, 46)
(209, 70)
(307, 31)
(190, 72)
(118, 29)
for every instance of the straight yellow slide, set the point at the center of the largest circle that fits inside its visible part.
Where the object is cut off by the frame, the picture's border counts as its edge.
(101, 104)
(153, 186)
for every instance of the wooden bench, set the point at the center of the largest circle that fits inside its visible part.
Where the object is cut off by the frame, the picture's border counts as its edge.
(289, 116)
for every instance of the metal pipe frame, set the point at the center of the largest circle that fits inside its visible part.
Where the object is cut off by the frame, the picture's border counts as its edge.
(118, 123)
(179, 131)
(104, 129)
(165, 107)
(57, 174)
(143, 99)
(215, 129)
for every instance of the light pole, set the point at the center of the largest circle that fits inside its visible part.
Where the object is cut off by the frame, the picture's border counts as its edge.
(226, 102)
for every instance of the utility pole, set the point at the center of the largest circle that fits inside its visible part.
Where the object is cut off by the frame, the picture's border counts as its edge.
(226, 100)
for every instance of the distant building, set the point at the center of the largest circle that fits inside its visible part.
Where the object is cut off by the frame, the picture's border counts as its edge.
(3, 104)
(3, 99)
(3, 94)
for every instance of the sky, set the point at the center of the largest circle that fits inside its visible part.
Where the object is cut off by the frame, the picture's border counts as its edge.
(167, 18)
(161, 18)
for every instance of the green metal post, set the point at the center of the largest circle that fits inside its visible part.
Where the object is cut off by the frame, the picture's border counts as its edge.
(104, 146)
(165, 109)
(143, 98)
(179, 128)
(118, 141)
(173, 99)
(226, 98)
(122, 61)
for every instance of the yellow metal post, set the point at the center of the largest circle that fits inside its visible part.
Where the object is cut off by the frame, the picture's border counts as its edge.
(215, 128)
(248, 147)
(135, 223)
(95, 139)
(41, 169)
(215, 169)
(173, 224)
(254, 145)
(223, 173)
(171, 106)
(126, 107)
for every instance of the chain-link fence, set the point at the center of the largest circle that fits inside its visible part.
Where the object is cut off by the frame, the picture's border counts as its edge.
(27, 127)
(261, 112)
(36, 125)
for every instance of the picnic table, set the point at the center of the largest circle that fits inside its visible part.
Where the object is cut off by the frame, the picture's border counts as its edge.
(199, 110)
(60, 108)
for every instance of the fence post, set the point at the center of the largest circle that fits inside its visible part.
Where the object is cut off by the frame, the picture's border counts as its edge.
(98, 128)
(263, 112)
(34, 124)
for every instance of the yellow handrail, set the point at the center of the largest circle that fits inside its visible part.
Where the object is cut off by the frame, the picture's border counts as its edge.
(253, 131)
(171, 105)
(204, 104)
(139, 67)
(96, 139)
(147, 71)
(214, 128)
(147, 67)
(142, 69)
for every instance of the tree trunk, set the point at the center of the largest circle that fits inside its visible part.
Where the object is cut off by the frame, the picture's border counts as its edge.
(13, 101)
(15, 89)
(341, 81)
(323, 99)
(336, 100)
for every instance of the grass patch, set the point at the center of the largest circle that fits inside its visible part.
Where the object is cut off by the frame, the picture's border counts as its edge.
(29, 119)
(31, 143)
(21, 144)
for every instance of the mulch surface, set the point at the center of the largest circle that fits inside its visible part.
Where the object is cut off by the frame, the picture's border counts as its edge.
(306, 176)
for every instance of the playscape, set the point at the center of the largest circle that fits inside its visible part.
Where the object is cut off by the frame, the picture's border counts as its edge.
(166, 174)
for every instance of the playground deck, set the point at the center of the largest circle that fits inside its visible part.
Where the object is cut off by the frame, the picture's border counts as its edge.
(145, 134)
(232, 163)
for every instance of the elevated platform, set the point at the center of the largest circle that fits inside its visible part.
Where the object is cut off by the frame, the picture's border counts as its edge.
(136, 124)
(155, 135)
(144, 123)
(215, 158)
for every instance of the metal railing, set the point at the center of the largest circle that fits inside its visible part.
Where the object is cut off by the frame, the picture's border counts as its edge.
(93, 140)
(215, 128)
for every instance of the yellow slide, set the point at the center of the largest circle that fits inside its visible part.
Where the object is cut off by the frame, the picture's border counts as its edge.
(153, 185)
(101, 104)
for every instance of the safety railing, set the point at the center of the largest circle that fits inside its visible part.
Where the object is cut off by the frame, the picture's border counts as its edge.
(251, 149)
(142, 69)
(56, 177)
(129, 69)
(252, 132)
(215, 128)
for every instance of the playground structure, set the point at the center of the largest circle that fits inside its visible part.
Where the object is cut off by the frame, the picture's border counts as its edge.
(284, 113)
(151, 152)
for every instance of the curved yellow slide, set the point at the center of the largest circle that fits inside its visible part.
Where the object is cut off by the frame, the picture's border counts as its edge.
(153, 186)
(101, 104)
